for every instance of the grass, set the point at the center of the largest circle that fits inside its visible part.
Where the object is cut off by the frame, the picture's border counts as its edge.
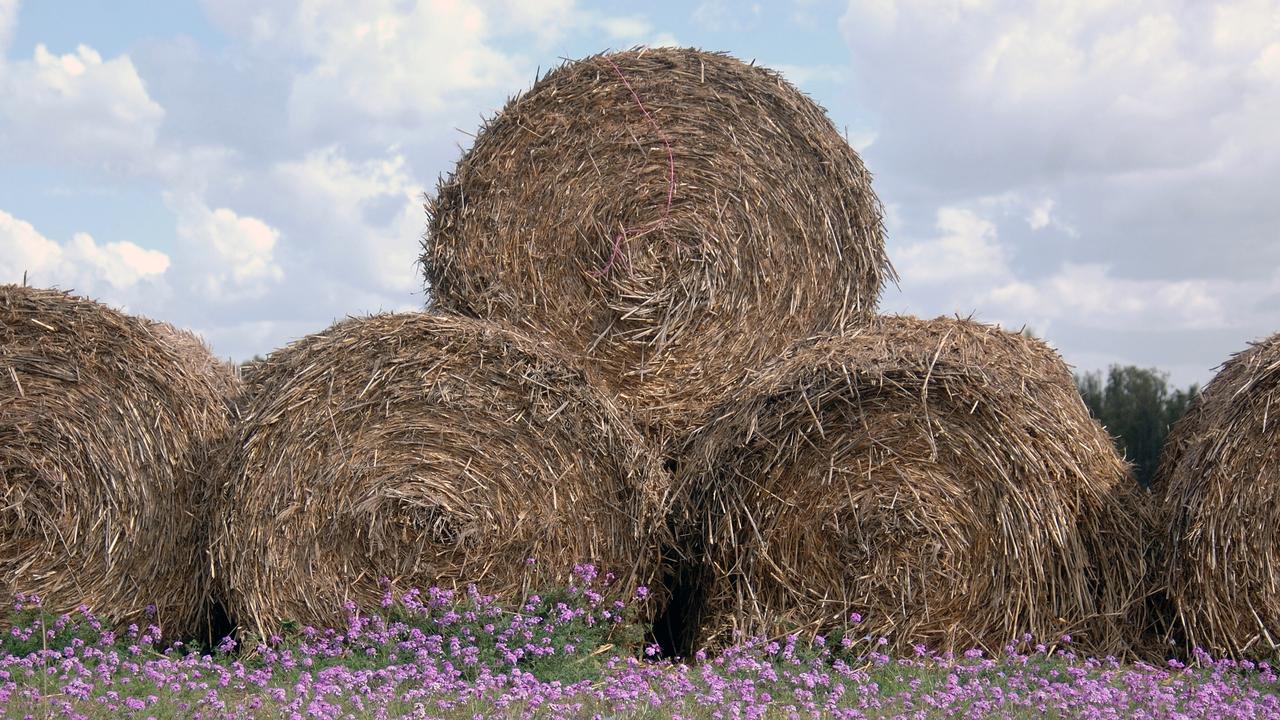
(573, 652)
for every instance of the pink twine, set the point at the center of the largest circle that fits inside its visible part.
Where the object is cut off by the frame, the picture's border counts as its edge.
(671, 183)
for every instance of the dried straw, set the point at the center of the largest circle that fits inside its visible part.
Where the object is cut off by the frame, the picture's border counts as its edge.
(427, 450)
(106, 424)
(196, 354)
(1219, 515)
(942, 478)
(675, 216)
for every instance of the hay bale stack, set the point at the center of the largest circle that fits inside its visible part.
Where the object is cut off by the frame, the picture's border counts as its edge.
(1219, 490)
(942, 478)
(675, 216)
(106, 425)
(427, 450)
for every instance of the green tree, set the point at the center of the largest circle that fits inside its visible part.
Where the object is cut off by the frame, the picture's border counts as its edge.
(1137, 407)
(1091, 390)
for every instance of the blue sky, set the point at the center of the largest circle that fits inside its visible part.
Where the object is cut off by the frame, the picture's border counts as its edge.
(1103, 172)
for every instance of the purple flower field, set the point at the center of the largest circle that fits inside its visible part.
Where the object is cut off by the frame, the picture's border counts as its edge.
(573, 654)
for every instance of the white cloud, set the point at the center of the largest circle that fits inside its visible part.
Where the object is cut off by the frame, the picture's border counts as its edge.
(399, 65)
(8, 21)
(25, 249)
(546, 20)
(121, 264)
(1049, 87)
(966, 267)
(77, 108)
(1041, 214)
(966, 250)
(388, 61)
(1090, 295)
(366, 216)
(802, 75)
(724, 15)
(861, 140)
(626, 28)
(82, 263)
(1246, 26)
(232, 256)
(664, 39)
(1125, 152)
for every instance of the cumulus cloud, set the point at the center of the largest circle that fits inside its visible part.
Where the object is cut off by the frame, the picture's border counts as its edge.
(626, 28)
(977, 98)
(81, 263)
(382, 70)
(965, 267)
(1093, 296)
(1129, 147)
(231, 256)
(366, 216)
(120, 264)
(803, 75)
(664, 39)
(1063, 87)
(723, 15)
(8, 21)
(1041, 215)
(965, 250)
(76, 108)
(387, 62)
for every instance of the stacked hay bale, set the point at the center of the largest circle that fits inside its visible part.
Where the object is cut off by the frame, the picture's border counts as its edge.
(942, 478)
(679, 219)
(106, 426)
(427, 450)
(1220, 552)
(673, 216)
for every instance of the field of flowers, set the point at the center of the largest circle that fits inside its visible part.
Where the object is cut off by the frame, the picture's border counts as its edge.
(570, 654)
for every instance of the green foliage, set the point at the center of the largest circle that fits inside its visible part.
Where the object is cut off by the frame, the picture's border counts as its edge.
(560, 634)
(594, 639)
(47, 632)
(1138, 407)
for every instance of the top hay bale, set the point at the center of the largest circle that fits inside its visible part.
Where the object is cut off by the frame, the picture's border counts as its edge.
(1219, 485)
(940, 477)
(106, 423)
(675, 215)
(427, 450)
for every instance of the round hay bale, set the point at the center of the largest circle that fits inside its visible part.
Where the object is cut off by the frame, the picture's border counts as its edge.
(675, 216)
(942, 478)
(106, 428)
(197, 355)
(427, 450)
(1220, 509)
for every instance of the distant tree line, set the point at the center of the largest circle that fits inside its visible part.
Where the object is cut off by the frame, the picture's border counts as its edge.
(1137, 406)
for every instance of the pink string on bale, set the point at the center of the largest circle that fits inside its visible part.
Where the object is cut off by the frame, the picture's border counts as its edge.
(625, 234)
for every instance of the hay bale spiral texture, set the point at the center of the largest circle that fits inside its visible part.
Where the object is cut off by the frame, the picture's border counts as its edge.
(674, 215)
(427, 450)
(942, 478)
(107, 423)
(1219, 490)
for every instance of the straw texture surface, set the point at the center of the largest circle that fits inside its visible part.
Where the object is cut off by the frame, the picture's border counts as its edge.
(941, 478)
(1220, 510)
(423, 450)
(107, 423)
(675, 216)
